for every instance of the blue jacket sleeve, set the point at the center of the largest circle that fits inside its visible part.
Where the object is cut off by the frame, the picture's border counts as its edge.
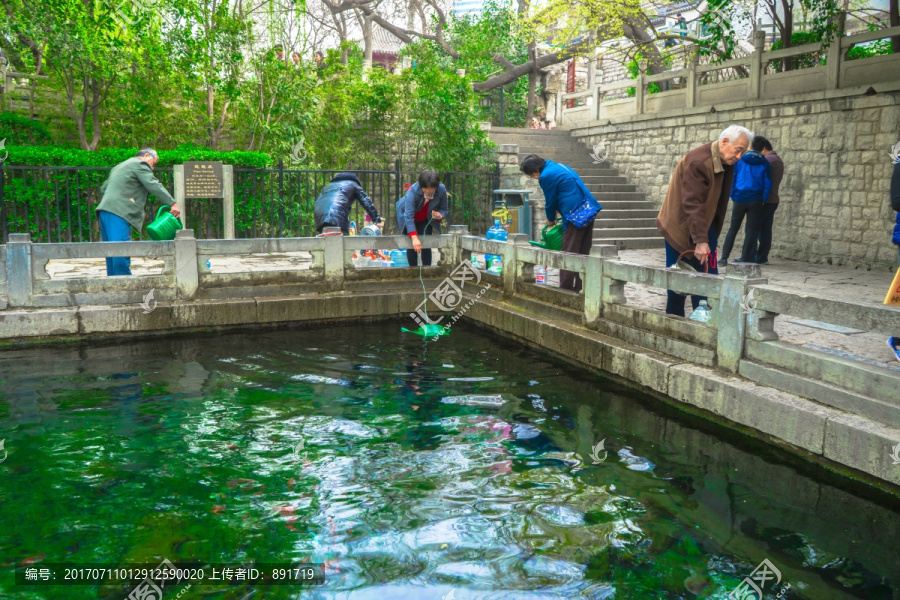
(409, 210)
(548, 186)
(767, 181)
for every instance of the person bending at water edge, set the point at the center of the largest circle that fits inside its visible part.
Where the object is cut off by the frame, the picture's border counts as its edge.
(335, 202)
(566, 194)
(123, 203)
(420, 212)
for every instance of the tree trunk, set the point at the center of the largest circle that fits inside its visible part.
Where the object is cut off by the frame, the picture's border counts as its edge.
(368, 43)
(532, 86)
(787, 32)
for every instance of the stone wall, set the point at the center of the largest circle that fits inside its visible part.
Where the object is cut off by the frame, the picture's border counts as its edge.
(835, 205)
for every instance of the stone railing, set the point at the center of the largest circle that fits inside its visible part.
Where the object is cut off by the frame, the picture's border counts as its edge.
(739, 338)
(836, 74)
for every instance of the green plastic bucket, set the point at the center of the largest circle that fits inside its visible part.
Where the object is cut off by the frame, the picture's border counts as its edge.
(164, 226)
(551, 239)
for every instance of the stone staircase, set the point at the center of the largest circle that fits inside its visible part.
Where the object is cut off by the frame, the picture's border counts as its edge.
(627, 220)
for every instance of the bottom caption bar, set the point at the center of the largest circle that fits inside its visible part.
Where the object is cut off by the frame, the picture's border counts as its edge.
(170, 574)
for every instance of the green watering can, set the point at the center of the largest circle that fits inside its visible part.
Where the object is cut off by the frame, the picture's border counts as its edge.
(164, 226)
(551, 239)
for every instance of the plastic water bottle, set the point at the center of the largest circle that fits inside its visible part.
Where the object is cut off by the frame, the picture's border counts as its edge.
(398, 258)
(702, 313)
(495, 266)
(498, 234)
(540, 274)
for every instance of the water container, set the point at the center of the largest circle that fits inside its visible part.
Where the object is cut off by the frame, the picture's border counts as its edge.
(702, 313)
(495, 265)
(498, 234)
(164, 226)
(398, 258)
(540, 274)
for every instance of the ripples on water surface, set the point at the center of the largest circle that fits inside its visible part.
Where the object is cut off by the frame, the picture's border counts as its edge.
(459, 469)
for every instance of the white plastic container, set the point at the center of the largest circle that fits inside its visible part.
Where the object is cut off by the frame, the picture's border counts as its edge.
(540, 274)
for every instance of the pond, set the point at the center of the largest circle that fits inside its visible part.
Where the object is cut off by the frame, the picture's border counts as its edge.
(465, 468)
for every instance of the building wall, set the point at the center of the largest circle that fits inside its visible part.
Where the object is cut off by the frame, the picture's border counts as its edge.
(835, 205)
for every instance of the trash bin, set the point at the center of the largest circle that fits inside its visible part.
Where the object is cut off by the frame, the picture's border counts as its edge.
(513, 208)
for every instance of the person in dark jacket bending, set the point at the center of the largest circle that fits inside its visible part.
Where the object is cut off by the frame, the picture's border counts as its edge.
(335, 202)
(564, 192)
(420, 212)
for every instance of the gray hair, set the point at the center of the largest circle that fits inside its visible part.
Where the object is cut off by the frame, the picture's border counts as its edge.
(736, 132)
(148, 152)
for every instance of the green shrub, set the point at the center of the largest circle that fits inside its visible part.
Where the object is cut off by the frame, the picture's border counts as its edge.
(20, 130)
(108, 157)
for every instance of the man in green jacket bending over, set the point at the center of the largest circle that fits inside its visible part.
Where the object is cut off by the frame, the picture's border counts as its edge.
(123, 203)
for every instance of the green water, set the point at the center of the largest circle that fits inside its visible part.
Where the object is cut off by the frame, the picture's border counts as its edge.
(362, 447)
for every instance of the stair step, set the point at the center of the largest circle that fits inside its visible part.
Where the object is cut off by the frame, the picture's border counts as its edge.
(629, 213)
(620, 197)
(547, 133)
(596, 174)
(562, 153)
(636, 232)
(607, 223)
(599, 188)
(564, 144)
(628, 204)
(633, 243)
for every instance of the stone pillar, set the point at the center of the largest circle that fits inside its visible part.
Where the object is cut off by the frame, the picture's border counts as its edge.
(757, 65)
(228, 200)
(18, 270)
(732, 309)
(187, 276)
(593, 281)
(178, 178)
(334, 259)
(639, 85)
(691, 83)
(833, 61)
(456, 252)
(511, 267)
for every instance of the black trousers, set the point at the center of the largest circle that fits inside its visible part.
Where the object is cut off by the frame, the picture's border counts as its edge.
(765, 231)
(577, 241)
(411, 257)
(753, 211)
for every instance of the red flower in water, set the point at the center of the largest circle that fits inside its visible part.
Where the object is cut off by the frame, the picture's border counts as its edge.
(406, 186)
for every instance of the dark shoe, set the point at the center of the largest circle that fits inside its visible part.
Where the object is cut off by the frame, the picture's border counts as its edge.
(762, 262)
(894, 344)
(739, 261)
(723, 262)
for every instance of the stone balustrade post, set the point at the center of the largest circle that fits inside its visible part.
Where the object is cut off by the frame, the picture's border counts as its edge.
(639, 85)
(456, 250)
(593, 281)
(187, 270)
(757, 64)
(511, 267)
(334, 259)
(18, 270)
(733, 310)
(691, 83)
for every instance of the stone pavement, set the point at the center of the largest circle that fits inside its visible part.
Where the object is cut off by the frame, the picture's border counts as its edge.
(836, 281)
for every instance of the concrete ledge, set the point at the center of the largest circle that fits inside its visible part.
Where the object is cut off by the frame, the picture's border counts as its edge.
(38, 323)
(829, 395)
(864, 445)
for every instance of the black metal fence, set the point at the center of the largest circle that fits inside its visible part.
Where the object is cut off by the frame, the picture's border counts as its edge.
(57, 204)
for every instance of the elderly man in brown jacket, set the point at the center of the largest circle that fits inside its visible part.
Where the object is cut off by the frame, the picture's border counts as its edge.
(696, 202)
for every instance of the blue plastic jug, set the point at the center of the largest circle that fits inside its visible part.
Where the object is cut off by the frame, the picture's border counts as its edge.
(398, 258)
(498, 234)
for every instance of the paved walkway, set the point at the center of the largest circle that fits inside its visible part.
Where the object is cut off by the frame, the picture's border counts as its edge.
(834, 281)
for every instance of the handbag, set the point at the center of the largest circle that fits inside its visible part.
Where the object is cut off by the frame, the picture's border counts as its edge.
(584, 213)
(581, 215)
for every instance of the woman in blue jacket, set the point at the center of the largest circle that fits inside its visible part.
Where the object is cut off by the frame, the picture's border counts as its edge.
(420, 212)
(564, 193)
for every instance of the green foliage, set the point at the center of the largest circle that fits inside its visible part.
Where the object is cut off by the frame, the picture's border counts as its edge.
(477, 37)
(20, 130)
(108, 157)
(634, 69)
(802, 61)
(876, 48)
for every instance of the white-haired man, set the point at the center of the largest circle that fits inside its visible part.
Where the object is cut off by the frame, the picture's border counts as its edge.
(123, 203)
(693, 212)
